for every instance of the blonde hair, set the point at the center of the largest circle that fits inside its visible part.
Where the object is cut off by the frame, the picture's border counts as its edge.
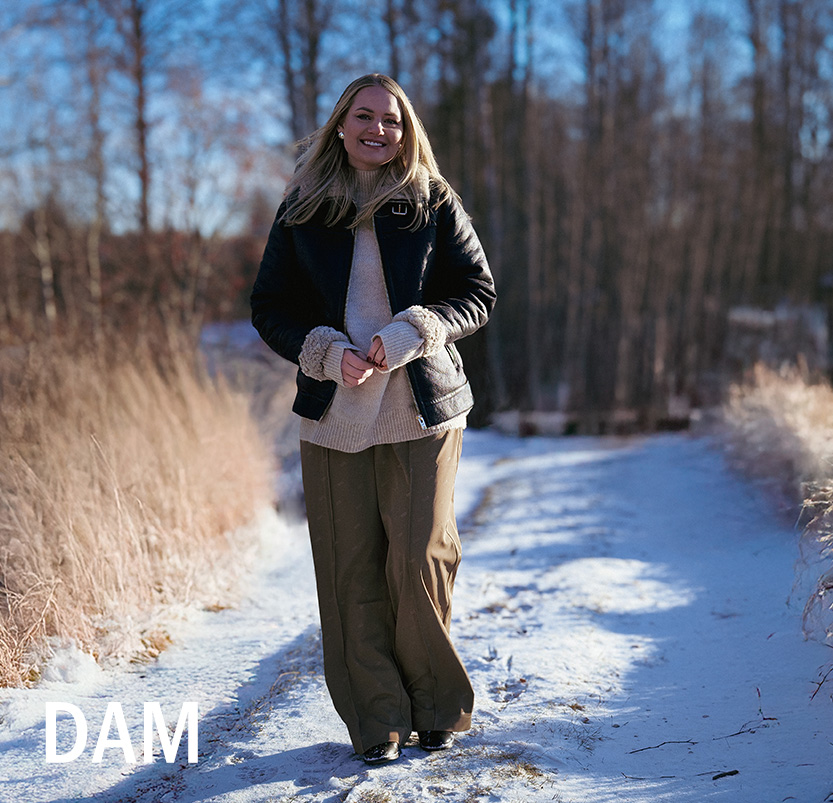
(322, 172)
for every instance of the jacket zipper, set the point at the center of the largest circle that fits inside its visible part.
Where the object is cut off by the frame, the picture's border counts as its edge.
(419, 418)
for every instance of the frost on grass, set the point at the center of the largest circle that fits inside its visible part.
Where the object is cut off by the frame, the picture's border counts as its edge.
(472, 773)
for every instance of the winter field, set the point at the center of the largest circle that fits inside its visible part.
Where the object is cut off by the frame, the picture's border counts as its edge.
(629, 611)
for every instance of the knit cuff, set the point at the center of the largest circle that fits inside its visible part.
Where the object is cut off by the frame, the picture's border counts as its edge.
(428, 324)
(332, 360)
(402, 343)
(314, 351)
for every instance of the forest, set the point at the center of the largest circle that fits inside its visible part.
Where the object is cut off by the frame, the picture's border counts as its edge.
(637, 171)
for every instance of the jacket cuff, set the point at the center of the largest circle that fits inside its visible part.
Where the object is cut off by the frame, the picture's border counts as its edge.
(428, 325)
(314, 351)
(402, 343)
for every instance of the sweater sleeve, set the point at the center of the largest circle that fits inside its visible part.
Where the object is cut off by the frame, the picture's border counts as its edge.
(402, 343)
(332, 360)
(428, 326)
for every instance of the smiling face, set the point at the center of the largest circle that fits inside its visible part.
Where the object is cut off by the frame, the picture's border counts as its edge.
(372, 128)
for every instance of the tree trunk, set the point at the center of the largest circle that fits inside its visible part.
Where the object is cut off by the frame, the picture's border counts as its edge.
(140, 77)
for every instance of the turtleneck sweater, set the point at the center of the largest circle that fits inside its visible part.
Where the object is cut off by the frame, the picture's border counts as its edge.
(382, 409)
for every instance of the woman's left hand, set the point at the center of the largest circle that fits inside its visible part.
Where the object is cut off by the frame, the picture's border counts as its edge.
(376, 355)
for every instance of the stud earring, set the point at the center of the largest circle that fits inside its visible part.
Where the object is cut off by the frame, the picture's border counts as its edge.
(341, 135)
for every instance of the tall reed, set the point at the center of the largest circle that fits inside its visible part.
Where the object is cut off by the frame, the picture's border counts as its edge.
(125, 480)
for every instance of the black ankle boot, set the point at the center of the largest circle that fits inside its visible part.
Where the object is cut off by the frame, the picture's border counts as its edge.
(381, 753)
(435, 740)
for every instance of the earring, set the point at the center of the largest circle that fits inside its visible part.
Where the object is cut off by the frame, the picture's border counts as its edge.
(341, 135)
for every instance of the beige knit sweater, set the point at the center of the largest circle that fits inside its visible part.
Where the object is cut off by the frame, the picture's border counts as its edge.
(382, 409)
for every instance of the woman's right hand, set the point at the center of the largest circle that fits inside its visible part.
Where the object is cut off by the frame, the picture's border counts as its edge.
(355, 369)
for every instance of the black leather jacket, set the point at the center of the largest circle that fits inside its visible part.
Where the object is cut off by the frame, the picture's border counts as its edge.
(302, 284)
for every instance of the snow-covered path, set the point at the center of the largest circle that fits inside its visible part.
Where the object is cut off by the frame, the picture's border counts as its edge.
(622, 607)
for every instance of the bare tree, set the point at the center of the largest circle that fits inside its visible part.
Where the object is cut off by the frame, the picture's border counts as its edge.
(300, 28)
(624, 214)
(95, 73)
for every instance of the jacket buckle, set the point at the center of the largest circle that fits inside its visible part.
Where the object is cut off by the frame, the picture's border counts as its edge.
(399, 209)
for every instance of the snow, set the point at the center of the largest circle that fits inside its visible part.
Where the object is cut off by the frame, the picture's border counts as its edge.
(628, 612)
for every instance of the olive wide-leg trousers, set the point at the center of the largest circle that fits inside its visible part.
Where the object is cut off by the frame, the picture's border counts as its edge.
(386, 550)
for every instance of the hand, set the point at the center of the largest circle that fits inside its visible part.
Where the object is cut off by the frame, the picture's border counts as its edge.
(355, 369)
(377, 355)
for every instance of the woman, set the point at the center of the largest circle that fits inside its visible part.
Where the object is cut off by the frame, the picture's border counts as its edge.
(371, 272)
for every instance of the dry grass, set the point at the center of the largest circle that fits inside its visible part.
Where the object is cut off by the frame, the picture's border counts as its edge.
(781, 429)
(122, 482)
